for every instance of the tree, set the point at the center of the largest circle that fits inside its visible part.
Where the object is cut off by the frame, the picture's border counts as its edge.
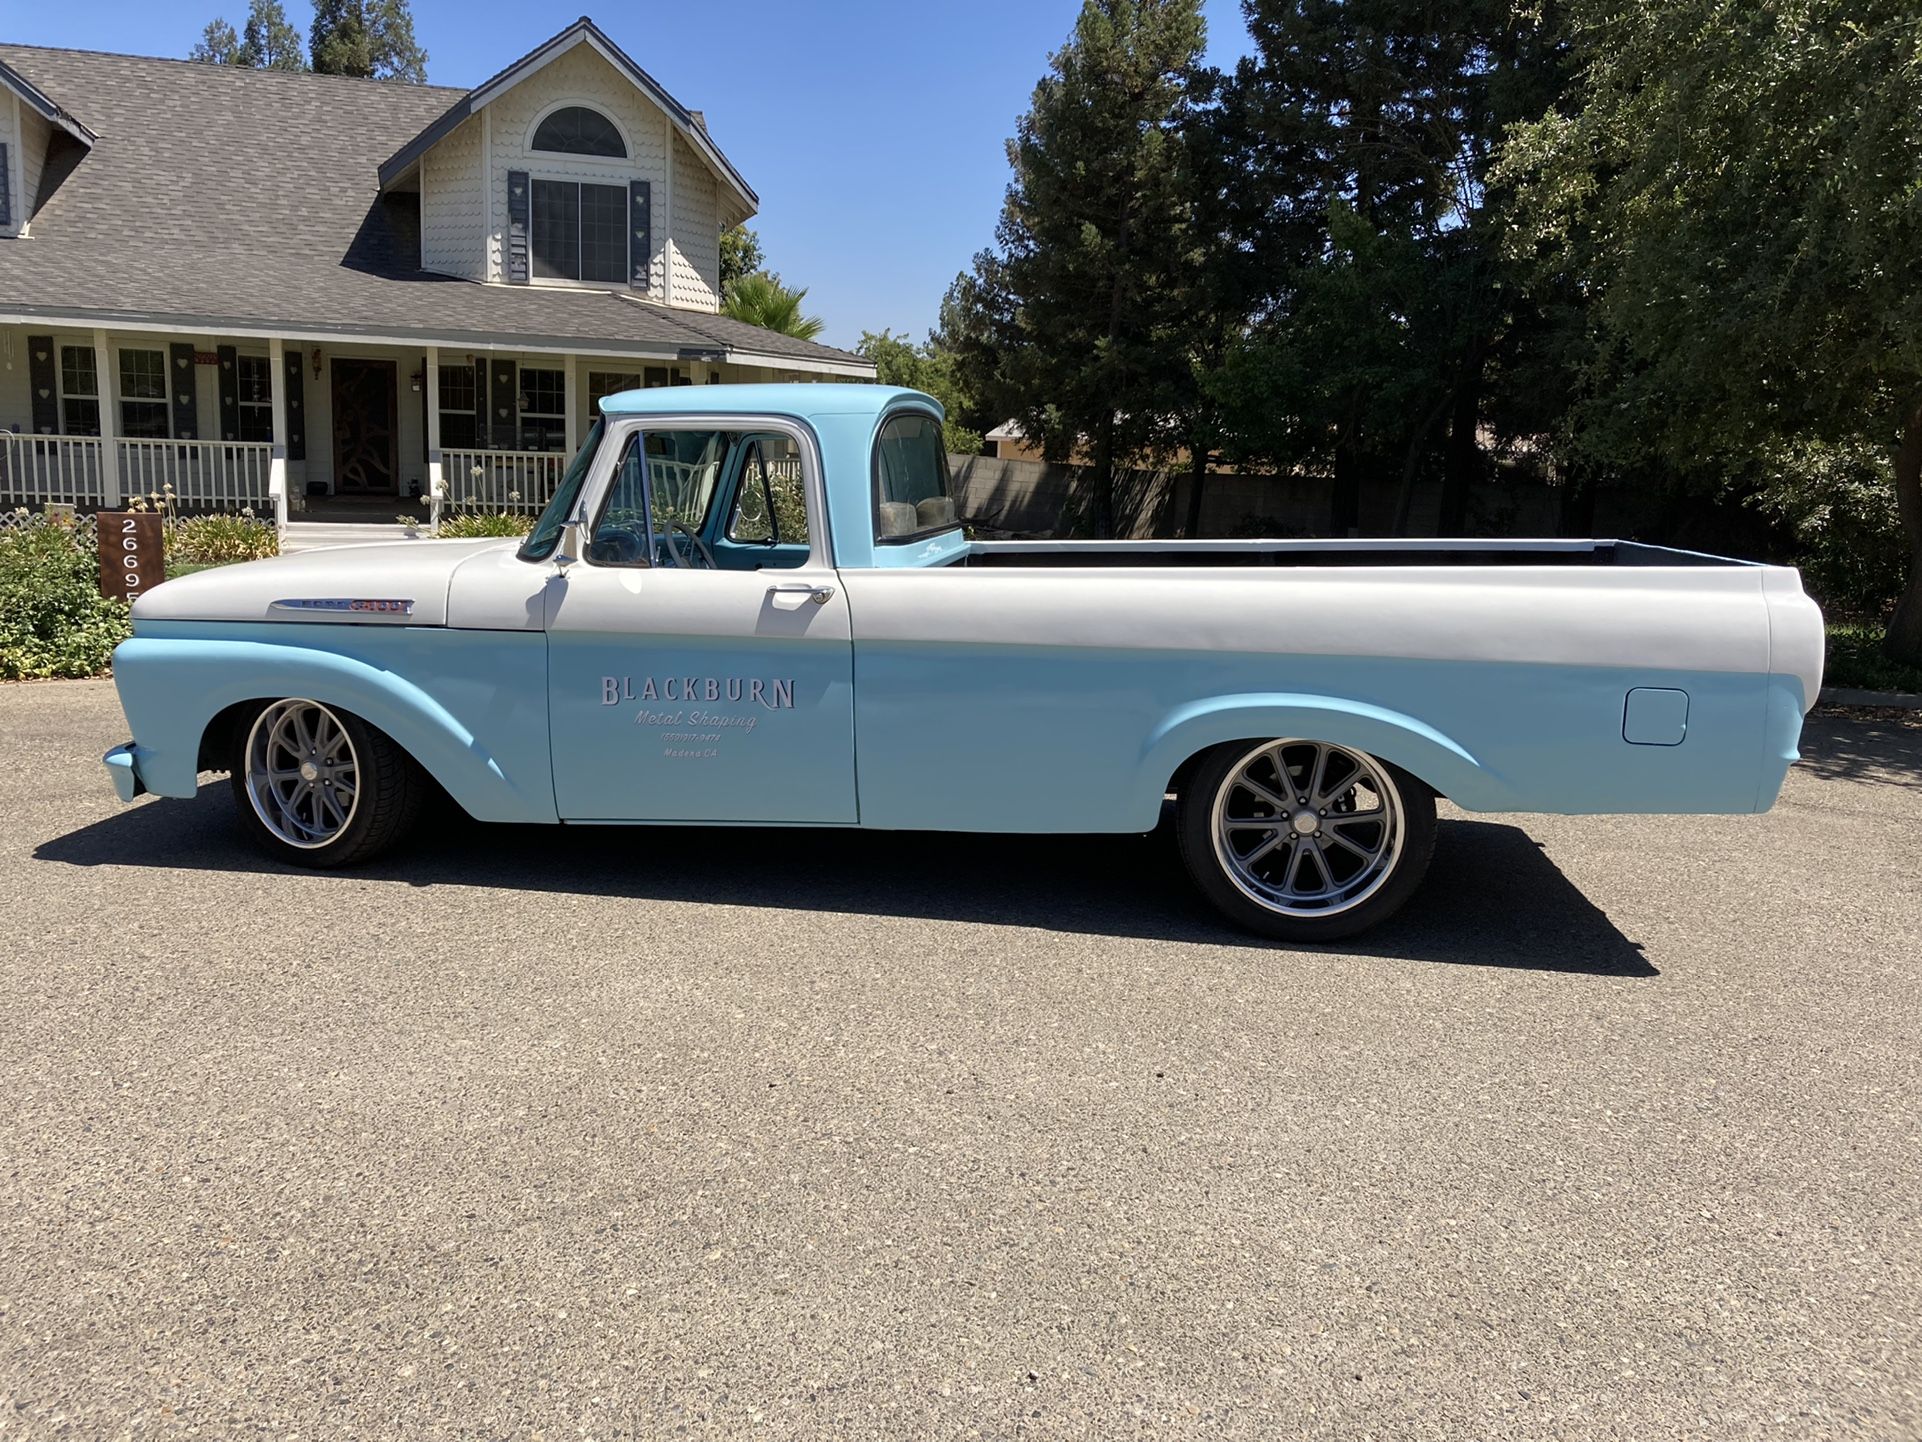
(219, 45)
(1358, 140)
(740, 255)
(371, 39)
(760, 299)
(927, 368)
(1065, 326)
(265, 42)
(1738, 191)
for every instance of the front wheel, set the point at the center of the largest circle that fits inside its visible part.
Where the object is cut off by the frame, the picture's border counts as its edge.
(1303, 840)
(318, 787)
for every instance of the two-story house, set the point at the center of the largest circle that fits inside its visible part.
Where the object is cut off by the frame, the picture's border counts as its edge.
(254, 286)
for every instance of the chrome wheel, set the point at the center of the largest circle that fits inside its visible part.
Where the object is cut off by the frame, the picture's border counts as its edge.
(302, 775)
(1308, 829)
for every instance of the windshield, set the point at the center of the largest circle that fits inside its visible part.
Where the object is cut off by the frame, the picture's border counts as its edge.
(546, 534)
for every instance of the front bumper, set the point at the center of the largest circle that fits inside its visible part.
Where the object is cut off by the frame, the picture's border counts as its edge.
(123, 764)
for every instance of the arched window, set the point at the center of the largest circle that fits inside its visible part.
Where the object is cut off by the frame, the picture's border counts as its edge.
(576, 130)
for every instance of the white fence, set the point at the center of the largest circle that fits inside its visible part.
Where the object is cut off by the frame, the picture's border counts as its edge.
(49, 470)
(214, 475)
(39, 471)
(501, 480)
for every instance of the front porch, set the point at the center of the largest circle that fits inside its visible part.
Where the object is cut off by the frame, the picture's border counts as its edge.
(353, 430)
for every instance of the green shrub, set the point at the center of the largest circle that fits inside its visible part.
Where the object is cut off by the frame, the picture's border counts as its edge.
(216, 540)
(1856, 658)
(53, 619)
(466, 525)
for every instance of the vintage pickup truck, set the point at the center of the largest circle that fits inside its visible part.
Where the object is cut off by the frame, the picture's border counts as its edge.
(756, 605)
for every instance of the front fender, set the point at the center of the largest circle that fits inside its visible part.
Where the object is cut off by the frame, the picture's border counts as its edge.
(1413, 745)
(479, 726)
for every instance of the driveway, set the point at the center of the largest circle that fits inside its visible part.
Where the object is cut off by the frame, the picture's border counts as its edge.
(622, 1133)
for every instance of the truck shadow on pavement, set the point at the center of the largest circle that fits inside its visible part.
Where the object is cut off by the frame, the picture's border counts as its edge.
(1492, 897)
(1882, 748)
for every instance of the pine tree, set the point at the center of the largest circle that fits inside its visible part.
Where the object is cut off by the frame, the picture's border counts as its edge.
(1068, 323)
(265, 42)
(372, 39)
(218, 45)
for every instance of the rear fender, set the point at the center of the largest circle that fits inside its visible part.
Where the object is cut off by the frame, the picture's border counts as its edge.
(1413, 745)
(173, 689)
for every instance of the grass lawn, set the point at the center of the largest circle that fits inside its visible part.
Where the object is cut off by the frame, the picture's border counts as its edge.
(1856, 659)
(177, 569)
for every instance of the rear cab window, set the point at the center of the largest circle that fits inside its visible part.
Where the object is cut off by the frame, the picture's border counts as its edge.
(912, 500)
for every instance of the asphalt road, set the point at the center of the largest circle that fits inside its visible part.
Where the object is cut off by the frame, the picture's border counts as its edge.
(619, 1133)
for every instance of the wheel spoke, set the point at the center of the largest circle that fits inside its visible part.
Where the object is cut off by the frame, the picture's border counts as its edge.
(1262, 850)
(1342, 841)
(1248, 783)
(1315, 797)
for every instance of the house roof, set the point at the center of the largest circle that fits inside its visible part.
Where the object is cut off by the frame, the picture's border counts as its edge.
(225, 201)
(582, 32)
(45, 104)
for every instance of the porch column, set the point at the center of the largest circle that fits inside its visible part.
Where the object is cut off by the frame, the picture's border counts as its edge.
(435, 486)
(109, 388)
(571, 389)
(277, 466)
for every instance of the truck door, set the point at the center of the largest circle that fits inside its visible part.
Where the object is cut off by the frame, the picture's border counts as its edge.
(679, 691)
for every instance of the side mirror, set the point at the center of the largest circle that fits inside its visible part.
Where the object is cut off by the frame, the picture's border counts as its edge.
(573, 540)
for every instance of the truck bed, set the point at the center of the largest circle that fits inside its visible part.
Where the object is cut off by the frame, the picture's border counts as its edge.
(1332, 553)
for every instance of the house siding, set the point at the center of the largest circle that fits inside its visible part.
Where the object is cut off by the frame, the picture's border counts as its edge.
(12, 204)
(697, 231)
(582, 77)
(453, 222)
(35, 135)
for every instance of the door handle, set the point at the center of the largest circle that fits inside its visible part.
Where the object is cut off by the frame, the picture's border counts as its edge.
(820, 595)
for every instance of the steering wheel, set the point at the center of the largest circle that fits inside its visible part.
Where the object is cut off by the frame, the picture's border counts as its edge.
(700, 546)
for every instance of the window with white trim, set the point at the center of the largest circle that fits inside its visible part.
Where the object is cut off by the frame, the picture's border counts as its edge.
(459, 408)
(602, 384)
(79, 391)
(543, 408)
(143, 394)
(254, 378)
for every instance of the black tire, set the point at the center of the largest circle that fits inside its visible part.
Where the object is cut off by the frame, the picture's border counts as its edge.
(1196, 832)
(389, 791)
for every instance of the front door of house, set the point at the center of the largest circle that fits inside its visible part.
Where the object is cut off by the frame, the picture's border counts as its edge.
(364, 425)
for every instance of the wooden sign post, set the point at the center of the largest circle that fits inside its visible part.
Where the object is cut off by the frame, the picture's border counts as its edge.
(133, 557)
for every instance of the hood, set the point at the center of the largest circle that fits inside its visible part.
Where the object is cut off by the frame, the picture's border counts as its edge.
(396, 583)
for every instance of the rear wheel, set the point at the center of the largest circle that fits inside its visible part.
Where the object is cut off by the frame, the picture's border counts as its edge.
(1304, 840)
(319, 787)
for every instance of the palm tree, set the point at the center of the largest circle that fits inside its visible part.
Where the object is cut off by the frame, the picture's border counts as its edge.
(760, 299)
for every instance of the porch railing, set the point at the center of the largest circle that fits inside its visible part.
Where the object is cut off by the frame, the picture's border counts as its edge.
(66, 470)
(217, 475)
(501, 480)
(49, 470)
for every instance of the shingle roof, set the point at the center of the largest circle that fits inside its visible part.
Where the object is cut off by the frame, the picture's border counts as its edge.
(247, 201)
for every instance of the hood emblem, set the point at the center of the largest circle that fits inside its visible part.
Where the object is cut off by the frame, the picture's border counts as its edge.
(356, 605)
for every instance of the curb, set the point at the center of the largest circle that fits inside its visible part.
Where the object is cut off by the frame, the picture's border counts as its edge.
(1851, 696)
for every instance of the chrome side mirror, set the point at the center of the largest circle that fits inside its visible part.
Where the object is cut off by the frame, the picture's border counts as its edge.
(573, 540)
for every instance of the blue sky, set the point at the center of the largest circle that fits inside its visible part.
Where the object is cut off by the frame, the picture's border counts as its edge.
(872, 130)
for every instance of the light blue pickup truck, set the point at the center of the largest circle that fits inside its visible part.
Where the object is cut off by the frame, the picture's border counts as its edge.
(757, 605)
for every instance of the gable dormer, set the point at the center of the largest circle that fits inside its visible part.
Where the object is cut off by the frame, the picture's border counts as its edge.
(39, 144)
(574, 168)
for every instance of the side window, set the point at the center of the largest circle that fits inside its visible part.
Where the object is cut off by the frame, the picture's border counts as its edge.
(658, 504)
(911, 497)
(770, 505)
